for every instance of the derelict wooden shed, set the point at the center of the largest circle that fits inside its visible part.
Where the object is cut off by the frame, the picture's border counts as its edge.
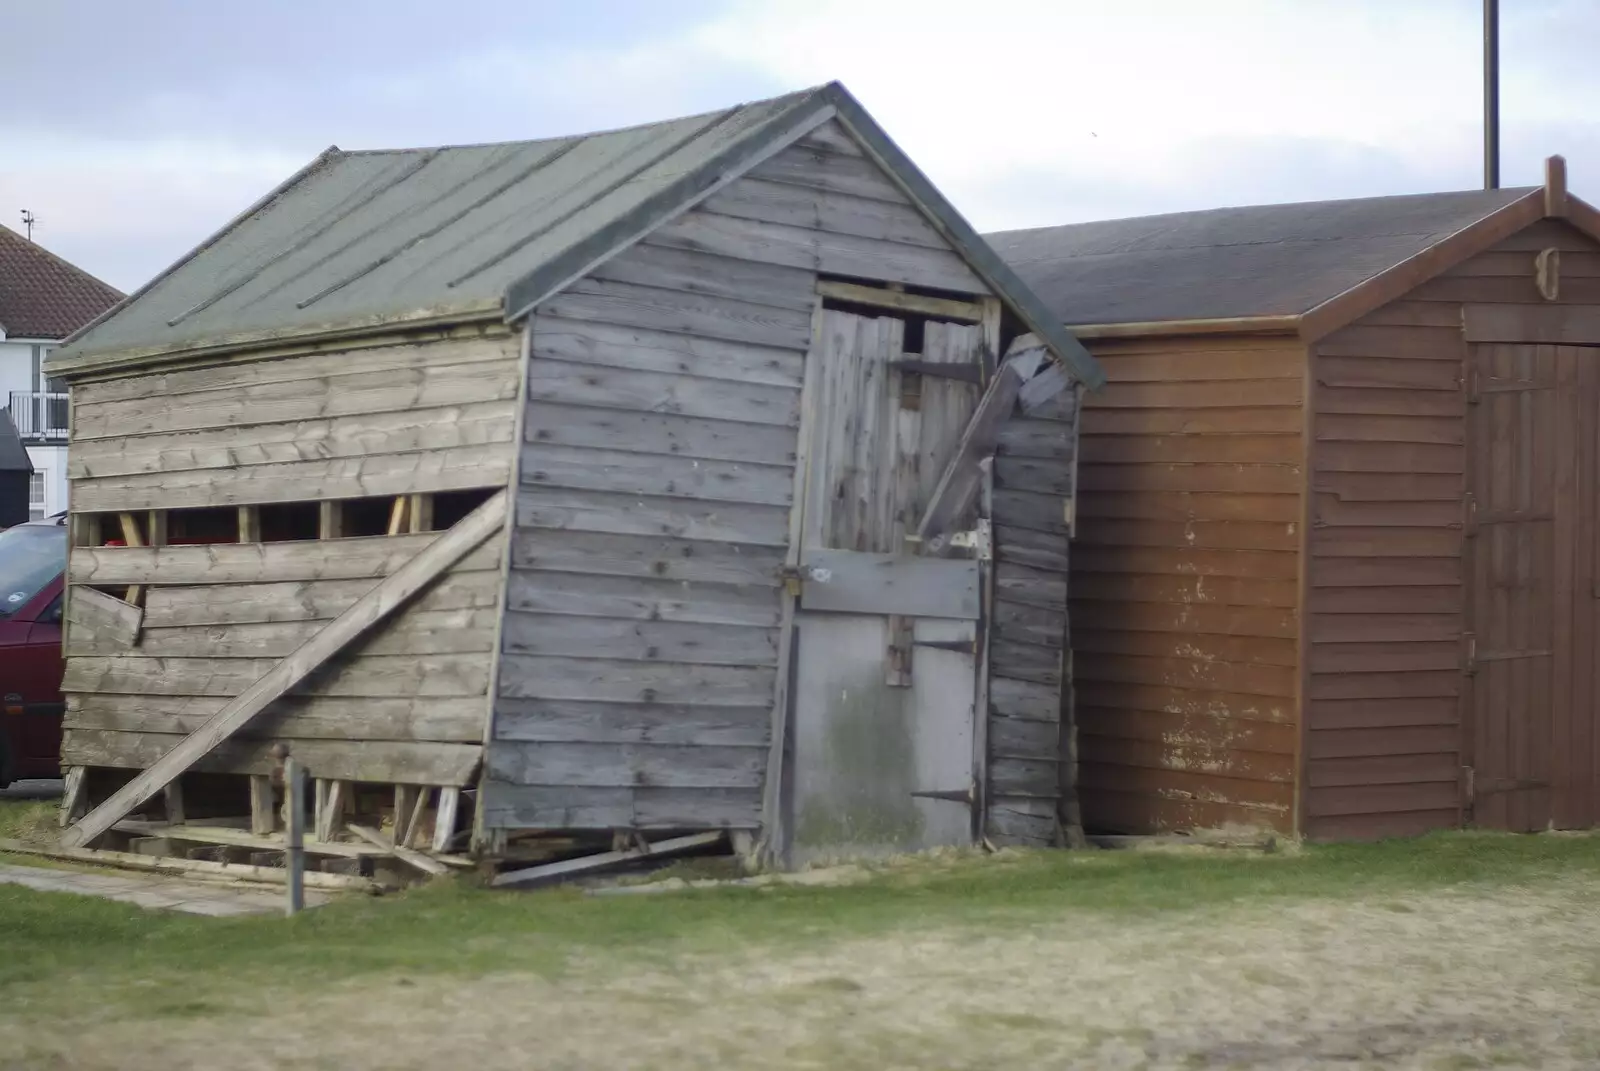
(1335, 570)
(635, 481)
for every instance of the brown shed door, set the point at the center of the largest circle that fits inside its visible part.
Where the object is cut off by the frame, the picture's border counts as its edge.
(1530, 727)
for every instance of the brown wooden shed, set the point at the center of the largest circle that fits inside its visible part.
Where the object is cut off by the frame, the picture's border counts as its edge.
(1335, 564)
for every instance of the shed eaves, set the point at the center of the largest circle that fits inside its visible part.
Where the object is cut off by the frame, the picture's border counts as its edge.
(43, 296)
(359, 240)
(1262, 260)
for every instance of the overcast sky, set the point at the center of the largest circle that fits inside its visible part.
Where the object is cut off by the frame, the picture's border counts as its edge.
(134, 128)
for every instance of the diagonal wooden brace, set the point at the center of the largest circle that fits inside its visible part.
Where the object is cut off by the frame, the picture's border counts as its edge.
(392, 592)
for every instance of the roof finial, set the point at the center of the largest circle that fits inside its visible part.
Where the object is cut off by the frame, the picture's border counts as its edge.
(1555, 186)
(28, 220)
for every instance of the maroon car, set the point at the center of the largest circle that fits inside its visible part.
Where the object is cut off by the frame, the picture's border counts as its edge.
(33, 559)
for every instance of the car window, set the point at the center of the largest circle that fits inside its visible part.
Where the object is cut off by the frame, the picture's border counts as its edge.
(31, 555)
(51, 615)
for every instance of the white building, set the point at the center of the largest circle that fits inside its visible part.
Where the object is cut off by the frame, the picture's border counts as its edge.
(43, 299)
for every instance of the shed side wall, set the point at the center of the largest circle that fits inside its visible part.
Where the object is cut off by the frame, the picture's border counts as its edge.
(1383, 751)
(407, 704)
(1184, 584)
(640, 644)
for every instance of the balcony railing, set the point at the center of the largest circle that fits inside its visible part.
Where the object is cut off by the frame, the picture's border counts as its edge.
(39, 416)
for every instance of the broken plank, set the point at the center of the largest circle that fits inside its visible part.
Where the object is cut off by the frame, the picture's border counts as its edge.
(108, 619)
(605, 859)
(190, 867)
(392, 592)
(958, 486)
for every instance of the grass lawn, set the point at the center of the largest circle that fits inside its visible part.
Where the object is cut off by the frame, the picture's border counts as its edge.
(62, 950)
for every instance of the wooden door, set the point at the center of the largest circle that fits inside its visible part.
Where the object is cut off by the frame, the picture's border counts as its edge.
(1531, 556)
(884, 727)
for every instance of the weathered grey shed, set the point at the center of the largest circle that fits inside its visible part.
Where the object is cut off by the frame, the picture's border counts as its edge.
(638, 481)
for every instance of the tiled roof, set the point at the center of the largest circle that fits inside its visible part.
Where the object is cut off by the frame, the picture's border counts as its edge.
(41, 295)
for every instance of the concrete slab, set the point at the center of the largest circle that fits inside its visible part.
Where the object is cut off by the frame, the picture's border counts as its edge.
(156, 893)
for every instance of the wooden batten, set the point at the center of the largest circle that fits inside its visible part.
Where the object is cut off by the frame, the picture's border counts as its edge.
(1555, 187)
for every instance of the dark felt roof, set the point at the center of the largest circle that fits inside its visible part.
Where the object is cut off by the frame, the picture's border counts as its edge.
(13, 455)
(41, 295)
(1262, 260)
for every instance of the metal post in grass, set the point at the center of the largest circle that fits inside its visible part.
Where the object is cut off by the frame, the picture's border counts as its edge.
(294, 855)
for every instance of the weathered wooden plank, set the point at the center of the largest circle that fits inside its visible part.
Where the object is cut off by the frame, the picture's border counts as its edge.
(1188, 590)
(648, 556)
(1390, 457)
(705, 275)
(1204, 535)
(569, 384)
(1198, 756)
(579, 721)
(303, 440)
(1387, 541)
(1024, 661)
(366, 675)
(1252, 392)
(103, 620)
(1205, 732)
(252, 370)
(1031, 587)
(645, 641)
(1391, 401)
(1203, 647)
(1383, 627)
(1152, 561)
(293, 481)
(637, 599)
(305, 600)
(618, 681)
(603, 860)
(384, 391)
(629, 473)
(1415, 342)
(642, 350)
(1038, 550)
(682, 518)
(1340, 427)
(1193, 506)
(1191, 449)
(1046, 440)
(393, 591)
(1563, 325)
(1329, 572)
(834, 172)
(372, 761)
(1042, 513)
(703, 436)
(435, 718)
(831, 136)
(1280, 420)
(1118, 696)
(1274, 681)
(1439, 599)
(661, 309)
(624, 765)
(828, 252)
(957, 487)
(1023, 699)
(834, 212)
(1024, 737)
(878, 297)
(1178, 619)
(1052, 477)
(1200, 366)
(1392, 487)
(1282, 479)
(508, 806)
(416, 632)
(852, 582)
(255, 563)
(1040, 625)
(1037, 777)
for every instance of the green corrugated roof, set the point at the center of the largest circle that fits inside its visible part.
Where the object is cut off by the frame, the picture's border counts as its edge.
(363, 239)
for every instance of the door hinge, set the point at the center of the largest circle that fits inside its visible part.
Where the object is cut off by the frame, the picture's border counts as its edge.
(977, 540)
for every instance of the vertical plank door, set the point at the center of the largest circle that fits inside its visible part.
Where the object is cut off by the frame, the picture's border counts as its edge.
(885, 694)
(1530, 574)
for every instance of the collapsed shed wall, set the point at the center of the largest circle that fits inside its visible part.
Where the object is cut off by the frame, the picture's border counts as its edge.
(406, 705)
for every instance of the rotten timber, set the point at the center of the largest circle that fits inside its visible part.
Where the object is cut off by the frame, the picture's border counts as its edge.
(392, 592)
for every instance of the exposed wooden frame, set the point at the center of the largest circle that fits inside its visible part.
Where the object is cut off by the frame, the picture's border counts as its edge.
(392, 592)
(900, 301)
(444, 817)
(133, 538)
(72, 794)
(172, 794)
(425, 863)
(330, 519)
(1394, 282)
(193, 867)
(200, 833)
(263, 820)
(419, 513)
(331, 797)
(249, 524)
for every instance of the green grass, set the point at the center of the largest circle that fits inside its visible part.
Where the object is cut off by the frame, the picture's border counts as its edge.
(129, 961)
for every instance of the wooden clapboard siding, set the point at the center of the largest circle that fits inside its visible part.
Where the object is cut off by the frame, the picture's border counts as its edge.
(405, 703)
(395, 419)
(1031, 735)
(1184, 583)
(1387, 598)
(640, 647)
